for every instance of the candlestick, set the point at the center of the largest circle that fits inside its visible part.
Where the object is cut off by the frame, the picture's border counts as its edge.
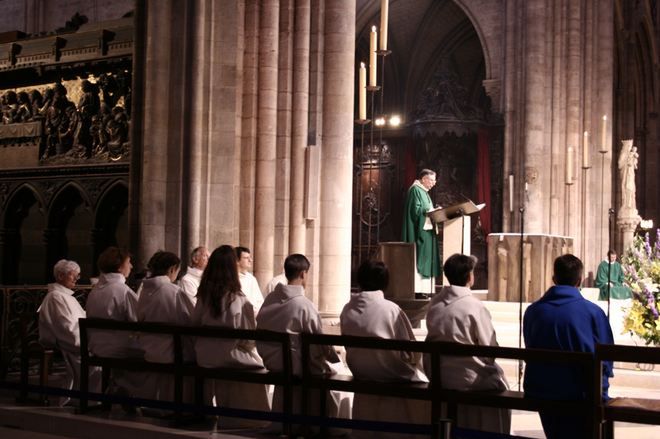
(372, 57)
(603, 141)
(511, 193)
(569, 166)
(586, 149)
(384, 15)
(362, 92)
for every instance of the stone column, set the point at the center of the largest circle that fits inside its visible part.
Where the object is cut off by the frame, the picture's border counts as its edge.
(284, 118)
(249, 123)
(264, 223)
(535, 151)
(299, 124)
(191, 74)
(337, 156)
(159, 195)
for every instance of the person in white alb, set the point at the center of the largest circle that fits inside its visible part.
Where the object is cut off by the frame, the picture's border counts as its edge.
(274, 282)
(112, 299)
(189, 283)
(222, 303)
(249, 284)
(58, 324)
(162, 301)
(455, 315)
(287, 310)
(369, 314)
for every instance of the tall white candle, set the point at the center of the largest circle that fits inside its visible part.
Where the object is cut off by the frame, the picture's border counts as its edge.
(603, 141)
(384, 16)
(586, 149)
(362, 92)
(569, 166)
(510, 192)
(372, 56)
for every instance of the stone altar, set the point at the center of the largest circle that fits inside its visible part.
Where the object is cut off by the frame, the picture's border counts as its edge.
(539, 253)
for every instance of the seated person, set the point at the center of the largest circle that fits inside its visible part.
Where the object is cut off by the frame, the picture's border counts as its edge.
(221, 303)
(249, 284)
(189, 283)
(162, 301)
(564, 320)
(455, 315)
(369, 314)
(112, 299)
(58, 325)
(610, 272)
(287, 309)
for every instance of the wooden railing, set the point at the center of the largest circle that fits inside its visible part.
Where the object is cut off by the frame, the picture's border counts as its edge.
(599, 416)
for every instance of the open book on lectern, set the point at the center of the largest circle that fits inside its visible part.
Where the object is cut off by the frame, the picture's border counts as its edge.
(442, 214)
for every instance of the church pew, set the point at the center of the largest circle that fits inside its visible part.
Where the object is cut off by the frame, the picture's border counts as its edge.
(434, 393)
(181, 369)
(635, 410)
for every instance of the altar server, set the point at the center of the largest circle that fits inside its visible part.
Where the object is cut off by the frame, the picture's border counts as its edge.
(58, 324)
(455, 315)
(369, 314)
(286, 309)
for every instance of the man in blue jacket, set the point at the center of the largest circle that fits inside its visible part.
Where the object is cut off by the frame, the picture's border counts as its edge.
(562, 319)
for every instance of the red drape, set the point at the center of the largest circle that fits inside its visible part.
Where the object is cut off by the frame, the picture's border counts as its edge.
(483, 178)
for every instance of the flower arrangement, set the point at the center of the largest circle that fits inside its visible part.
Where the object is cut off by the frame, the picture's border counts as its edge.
(641, 267)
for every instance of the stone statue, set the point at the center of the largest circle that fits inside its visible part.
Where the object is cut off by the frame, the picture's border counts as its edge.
(628, 218)
(628, 159)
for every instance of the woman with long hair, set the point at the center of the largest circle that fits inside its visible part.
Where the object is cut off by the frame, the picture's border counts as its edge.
(220, 302)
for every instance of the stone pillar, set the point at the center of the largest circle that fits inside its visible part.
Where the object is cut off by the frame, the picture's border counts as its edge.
(284, 118)
(299, 124)
(160, 194)
(535, 104)
(249, 123)
(337, 156)
(264, 222)
(191, 75)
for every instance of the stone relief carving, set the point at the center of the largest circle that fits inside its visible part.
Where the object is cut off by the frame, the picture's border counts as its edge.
(83, 121)
(445, 97)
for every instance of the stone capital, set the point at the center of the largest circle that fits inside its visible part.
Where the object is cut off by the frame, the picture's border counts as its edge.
(493, 89)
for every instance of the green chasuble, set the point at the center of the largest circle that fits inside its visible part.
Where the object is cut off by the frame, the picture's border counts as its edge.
(418, 203)
(617, 290)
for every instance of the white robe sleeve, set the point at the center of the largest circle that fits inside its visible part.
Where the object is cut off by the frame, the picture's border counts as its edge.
(131, 306)
(403, 331)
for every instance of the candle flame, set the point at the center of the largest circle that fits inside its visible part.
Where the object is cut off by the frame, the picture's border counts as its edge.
(362, 66)
(373, 28)
(605, 117)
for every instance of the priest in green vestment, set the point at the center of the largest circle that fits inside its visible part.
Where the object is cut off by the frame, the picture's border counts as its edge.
(611, 269)
(417, 228)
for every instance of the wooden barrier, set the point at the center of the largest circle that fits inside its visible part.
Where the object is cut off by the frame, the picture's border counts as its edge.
(636, 410)
(180, 369)
(593, 409)
(434, 393)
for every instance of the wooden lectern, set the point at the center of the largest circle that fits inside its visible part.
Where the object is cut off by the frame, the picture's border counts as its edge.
(456, 227)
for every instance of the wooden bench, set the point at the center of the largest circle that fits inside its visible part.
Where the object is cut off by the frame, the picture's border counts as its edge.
(635, 410)
(433, 392)
(180, 369)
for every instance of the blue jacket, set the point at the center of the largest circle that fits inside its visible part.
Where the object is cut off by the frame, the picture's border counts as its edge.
(562, 319)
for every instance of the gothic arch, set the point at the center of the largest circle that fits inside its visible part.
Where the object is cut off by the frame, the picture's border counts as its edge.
(70, 222)
(22, 252)
(111, 219)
